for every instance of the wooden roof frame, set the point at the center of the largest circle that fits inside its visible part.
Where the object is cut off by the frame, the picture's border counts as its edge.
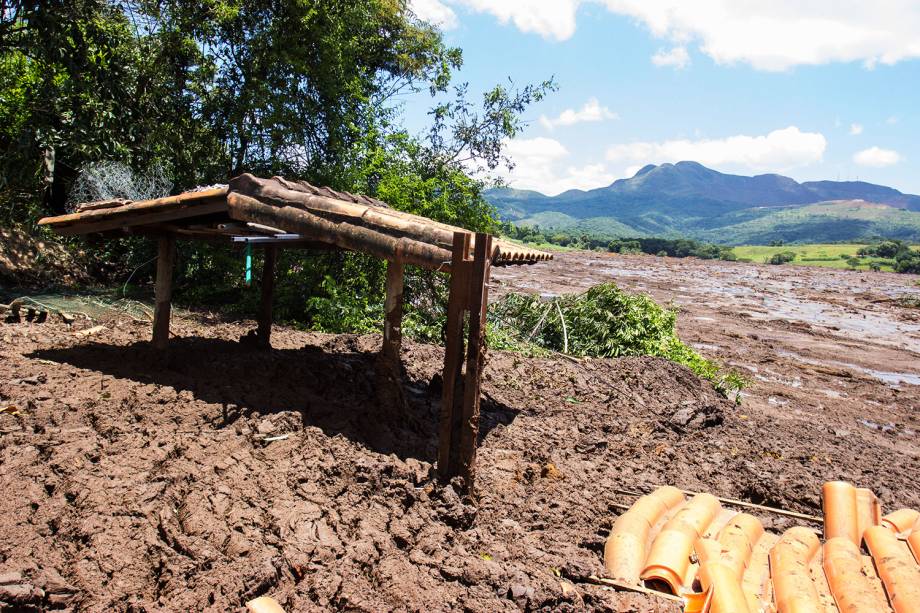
(275, 214)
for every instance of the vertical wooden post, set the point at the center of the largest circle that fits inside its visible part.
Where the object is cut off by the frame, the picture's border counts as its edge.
(475, 356)
(166, 258)
(393, 309)
(264, 331)
(452, 393)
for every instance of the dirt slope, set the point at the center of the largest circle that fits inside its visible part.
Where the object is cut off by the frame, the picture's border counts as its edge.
(142, 484)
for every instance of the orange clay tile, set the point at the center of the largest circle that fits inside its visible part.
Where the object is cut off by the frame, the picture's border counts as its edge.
(727, 595)
(737, 540)
(850, 587)
(868, 511)
(625, 549)
(840, 514)
(901, 520)
(913, 541)
(264, 604)
(669, 558)
(719, 579)
(899, 573)
(793, 587)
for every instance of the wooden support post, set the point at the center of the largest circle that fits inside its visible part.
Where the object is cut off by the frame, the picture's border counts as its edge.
(264, 330)
(393, 308)
(166, 258)
(475, 356)
(452, 393)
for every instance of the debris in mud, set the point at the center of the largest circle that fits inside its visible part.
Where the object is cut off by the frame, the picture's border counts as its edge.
(693, 417)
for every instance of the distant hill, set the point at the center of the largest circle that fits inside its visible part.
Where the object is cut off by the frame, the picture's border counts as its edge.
(688, 199)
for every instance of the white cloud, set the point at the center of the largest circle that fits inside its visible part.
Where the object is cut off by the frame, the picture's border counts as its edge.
(591, 111)
(675, 58)
(775, 35)
(434, 12)
(777, 151)
(540, 164)
(876, 157)
(549, 18)
(856, 129)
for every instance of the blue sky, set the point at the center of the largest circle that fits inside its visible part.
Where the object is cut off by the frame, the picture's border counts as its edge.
(829, 91)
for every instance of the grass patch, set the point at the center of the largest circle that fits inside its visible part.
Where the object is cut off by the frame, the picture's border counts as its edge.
(604, 321)
(825, 255)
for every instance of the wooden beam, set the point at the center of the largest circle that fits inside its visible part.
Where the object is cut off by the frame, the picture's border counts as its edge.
(393, 311)
(341, 234)
(140, 207)
(452, 392)
(264, 331)
(146, 217)
(475, 356)
(166, 258)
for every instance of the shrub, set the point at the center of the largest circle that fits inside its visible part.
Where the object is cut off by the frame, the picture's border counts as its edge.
(604, 321)
(781, 258)
(908, 261)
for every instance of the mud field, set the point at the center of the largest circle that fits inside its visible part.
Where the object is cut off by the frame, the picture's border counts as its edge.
(134, 482)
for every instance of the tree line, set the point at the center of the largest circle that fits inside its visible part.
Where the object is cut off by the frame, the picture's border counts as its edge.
(670, 247)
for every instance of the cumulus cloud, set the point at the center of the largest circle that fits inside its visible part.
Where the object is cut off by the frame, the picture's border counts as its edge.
(434, 12)
(775, 35)
(542, 164)
(777, 151)
(856, 129)
(591, 111)
(675, 58)
(554, 19)
(877, 157)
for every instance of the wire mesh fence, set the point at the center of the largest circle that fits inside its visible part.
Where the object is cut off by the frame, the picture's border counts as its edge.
(111, 180)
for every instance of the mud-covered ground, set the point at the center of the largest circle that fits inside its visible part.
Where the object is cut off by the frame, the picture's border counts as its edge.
(135, 482)
(819, 346)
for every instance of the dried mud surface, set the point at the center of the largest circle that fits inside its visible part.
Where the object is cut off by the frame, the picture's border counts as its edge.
(196, 482)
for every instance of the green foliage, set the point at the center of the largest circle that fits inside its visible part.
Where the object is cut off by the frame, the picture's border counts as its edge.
(908, 262)
(604, 321)
(782, 257)
(677, 248)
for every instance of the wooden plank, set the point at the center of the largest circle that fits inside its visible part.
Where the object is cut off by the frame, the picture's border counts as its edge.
(393, 310)
(139, 207)
(166, 258)
(146, 217)
(457, 304)
(475, 356)
(264, 331)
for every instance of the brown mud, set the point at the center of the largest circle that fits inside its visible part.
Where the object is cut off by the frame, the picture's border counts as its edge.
(134, 482)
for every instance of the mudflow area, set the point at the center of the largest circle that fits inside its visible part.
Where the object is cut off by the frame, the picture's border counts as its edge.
(196, 481)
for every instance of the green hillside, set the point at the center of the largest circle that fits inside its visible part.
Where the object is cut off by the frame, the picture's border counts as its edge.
(823, 222)
(689, 200)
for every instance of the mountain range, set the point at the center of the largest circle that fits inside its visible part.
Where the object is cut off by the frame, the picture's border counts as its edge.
(687, 199)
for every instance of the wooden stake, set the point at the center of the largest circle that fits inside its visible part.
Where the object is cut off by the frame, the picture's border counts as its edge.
(452, 394)
(475, 357)
(264, 331)
(393, 308)
(166, 258)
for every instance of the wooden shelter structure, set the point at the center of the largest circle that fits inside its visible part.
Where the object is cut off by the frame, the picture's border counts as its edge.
(276, 213)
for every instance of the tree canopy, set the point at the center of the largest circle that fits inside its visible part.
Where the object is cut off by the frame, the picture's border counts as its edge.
(206, 90)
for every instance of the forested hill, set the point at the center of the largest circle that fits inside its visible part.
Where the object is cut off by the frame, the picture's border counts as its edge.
(688, 199)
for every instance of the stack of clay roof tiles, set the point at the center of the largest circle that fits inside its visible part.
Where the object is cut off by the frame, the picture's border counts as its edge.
(725, 562)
